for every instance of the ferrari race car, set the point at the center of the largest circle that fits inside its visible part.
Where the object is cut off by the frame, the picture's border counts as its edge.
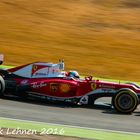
(50, 82)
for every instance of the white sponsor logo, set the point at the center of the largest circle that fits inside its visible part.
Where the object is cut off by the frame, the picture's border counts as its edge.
(106, 86)
(24, 82)
(38, 85)
(40, 74)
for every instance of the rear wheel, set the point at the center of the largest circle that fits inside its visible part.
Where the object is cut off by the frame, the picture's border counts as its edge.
(125, 101)
(2, 86)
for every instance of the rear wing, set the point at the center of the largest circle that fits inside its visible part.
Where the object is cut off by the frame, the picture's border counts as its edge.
(1, 58)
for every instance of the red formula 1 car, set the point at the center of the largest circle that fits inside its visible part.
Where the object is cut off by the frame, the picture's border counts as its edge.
(49, 81)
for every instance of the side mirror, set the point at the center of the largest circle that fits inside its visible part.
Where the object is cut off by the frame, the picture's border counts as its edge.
(88, 78)
(1, 59)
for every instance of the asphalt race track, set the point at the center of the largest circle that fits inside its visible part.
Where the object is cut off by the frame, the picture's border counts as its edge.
(101, 116)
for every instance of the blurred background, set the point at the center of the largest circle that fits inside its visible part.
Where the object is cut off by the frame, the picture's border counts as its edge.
(98, 37)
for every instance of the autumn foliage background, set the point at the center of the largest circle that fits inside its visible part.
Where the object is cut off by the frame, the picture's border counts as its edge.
(98, 37)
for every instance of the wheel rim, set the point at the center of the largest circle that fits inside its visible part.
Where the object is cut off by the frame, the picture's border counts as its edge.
(125, 101)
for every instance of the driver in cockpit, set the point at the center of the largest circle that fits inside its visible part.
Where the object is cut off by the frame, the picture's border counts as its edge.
(73, 74)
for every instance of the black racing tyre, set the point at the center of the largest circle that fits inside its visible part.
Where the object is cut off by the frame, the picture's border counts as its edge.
(125, 101)
(2, 86)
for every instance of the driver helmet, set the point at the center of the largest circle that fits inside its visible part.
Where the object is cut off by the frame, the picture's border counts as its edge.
(73, 74)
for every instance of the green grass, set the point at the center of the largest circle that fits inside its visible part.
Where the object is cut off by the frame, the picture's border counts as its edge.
(69, 131)
(5, 67)
(114, 80)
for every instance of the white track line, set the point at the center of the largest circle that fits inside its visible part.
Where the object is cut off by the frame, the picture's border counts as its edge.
(71, 126)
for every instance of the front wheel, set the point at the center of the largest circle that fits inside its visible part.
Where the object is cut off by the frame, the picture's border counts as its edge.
(2, 86)
(125, 101)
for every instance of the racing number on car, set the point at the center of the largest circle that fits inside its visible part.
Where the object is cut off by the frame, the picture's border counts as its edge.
(53, 87)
